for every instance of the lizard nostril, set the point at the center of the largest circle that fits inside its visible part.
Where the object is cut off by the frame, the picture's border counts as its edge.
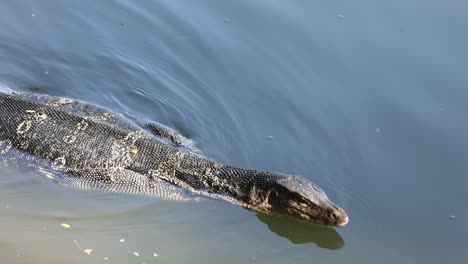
(333, 215)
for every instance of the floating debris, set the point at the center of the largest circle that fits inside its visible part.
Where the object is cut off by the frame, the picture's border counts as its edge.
(106, 258)
(65, 225)
(155, 254)
(87, 251)
(270, 137)
(340, 16)
(452, 217)
(227, 20)
(33, 14)
(122, 240)
(46, 72)
(377, 130)
(136, 254)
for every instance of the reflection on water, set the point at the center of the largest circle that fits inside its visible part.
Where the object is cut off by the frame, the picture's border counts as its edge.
(301, 232)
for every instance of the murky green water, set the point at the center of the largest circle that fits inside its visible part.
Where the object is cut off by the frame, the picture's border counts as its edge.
(367, 99)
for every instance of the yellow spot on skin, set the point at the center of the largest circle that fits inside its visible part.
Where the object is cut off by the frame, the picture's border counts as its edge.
(136, 254)
(135, 150)
(24, 127)
(41, 116)
(59, 162)
(30, 111)
(65, 225)
(83, 125)
(69, 139)
(105, 116)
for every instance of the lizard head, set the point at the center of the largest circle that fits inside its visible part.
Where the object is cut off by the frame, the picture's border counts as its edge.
(297, 197)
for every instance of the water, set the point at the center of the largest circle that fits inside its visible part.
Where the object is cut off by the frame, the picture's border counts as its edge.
(367, 99)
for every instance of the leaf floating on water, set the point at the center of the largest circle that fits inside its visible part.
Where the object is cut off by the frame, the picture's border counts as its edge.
(87, 251)
(65, 225)
(136, 254)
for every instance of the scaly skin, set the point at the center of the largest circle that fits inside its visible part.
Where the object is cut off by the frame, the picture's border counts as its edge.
(93, 145)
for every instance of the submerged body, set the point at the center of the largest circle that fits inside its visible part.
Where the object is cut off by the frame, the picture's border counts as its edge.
(89, 145)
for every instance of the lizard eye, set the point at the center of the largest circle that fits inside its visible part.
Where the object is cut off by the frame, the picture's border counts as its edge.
(300, 200)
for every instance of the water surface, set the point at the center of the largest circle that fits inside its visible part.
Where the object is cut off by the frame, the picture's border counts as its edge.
(367, 99)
